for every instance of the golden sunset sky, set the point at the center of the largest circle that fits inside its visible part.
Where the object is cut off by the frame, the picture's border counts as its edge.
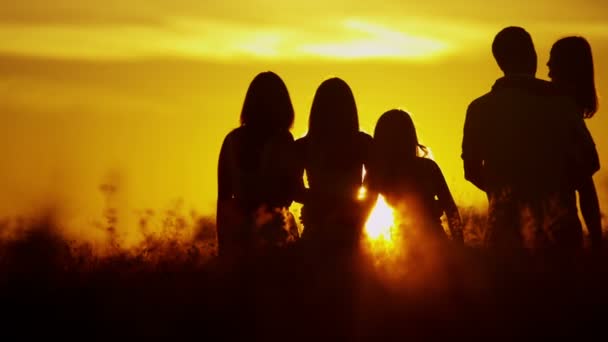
(143, 91)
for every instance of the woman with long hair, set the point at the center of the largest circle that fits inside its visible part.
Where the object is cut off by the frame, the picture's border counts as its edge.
(333, 154)
(256, 177)
(411, 183)
(571, 70)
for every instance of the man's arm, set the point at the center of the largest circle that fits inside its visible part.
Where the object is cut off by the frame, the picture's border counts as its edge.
(471, 144)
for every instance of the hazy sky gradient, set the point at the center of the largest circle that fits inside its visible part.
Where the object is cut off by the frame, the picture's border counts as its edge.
(148, 89)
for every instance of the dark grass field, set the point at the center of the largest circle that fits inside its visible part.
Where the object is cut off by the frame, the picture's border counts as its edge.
(52, 287)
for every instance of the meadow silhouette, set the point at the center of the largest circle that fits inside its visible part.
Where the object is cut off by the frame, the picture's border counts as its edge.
(171, 284)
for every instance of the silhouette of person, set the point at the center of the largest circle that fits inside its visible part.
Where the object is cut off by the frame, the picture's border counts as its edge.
(257, 178)
(333, 154)
(519, 142)
(411, 183)
(571, 68)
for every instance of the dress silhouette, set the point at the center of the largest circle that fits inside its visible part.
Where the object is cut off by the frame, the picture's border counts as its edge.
(411, 184)
(333, 154)
(520, 141)
(571, 70)
(257, 179)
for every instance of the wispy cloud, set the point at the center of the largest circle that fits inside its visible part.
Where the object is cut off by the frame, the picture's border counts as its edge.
(264, 29)
(345, 38)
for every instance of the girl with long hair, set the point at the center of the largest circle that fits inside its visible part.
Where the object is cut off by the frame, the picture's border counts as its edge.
(257, 179)
(333, 154)
(409, 181)
(571, 70)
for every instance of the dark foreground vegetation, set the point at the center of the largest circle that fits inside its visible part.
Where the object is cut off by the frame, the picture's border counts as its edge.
(52, 287)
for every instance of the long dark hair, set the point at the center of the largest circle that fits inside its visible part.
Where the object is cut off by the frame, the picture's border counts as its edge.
(267, 104)
(395, 137)
(333, 112)
(571, 63)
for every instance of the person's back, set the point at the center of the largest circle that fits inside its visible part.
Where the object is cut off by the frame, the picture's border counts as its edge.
(411, 183)
(412, 188)
(258, 172)
(514, 131)
(333, 154)
(331, 210)
(334, 169)
(256, 176)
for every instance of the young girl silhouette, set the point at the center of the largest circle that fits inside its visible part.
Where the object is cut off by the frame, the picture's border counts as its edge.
(257, 179)
(333, 154)
(571, 69)
(411, 184)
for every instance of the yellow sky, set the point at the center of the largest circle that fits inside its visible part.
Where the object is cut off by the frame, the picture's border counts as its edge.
(148, 89)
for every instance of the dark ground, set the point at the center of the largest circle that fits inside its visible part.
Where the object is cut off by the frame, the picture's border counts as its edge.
(51, 289)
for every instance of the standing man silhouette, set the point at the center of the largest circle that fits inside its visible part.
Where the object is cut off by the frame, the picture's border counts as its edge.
(519, 143)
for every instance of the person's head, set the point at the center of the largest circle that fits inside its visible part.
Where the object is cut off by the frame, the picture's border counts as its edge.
(395, 133)
(267, 105)
(514, 51)
(571, 63)
(333, 112)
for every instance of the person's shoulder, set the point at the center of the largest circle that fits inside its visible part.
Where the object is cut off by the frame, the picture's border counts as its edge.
(426, 162)
(284, 136)
(235, 134)
(546, 88)
(558, 99)
(542, 83)
(301, 144)
(533, 85)
(480, 102)
(302, 140)
(364, 137)
(364, 143)
(428, 165)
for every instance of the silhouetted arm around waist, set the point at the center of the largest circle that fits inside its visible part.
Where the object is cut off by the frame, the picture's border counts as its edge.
(448, 205)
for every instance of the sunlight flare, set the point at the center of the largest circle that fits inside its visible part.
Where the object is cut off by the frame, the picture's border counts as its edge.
(380, 222)
(381, 239)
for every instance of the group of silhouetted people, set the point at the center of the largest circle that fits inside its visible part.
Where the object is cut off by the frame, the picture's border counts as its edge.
(525, 145)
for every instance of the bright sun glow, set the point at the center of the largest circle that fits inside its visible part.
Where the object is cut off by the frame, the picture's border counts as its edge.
(379, 226)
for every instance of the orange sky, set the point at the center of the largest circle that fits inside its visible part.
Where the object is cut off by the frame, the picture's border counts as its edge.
(146, 90)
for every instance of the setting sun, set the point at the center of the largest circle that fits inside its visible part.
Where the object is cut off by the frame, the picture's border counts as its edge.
(381, 222)
(380, 232)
